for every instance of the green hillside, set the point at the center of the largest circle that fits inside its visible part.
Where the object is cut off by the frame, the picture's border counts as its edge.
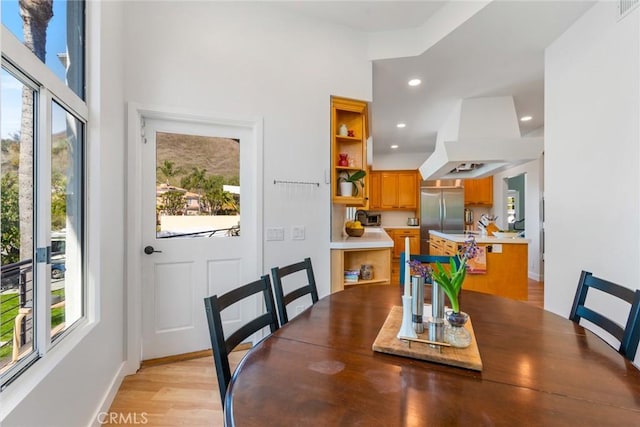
(218, 156)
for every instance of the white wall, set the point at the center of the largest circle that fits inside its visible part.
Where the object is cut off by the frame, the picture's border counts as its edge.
(592, 179)
(71, 393)
(533, 194)
(256, 60)
(399, 161)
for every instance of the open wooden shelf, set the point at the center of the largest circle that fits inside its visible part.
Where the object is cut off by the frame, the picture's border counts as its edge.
(352, 259)
(353, 114)
(347, 139)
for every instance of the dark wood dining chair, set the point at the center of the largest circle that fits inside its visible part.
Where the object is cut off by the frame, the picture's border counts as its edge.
(222, 345)
(309, 287)
(630, 334)
(425, 259)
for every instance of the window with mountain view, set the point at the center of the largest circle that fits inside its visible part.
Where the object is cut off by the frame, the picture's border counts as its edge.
(197, 186)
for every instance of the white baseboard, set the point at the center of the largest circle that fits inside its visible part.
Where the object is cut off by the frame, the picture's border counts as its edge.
(535, 276)
(110, 394)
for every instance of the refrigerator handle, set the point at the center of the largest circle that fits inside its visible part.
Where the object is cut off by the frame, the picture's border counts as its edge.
(440, 202)
(444, 208)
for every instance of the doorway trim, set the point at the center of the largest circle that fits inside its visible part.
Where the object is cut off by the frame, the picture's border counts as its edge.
(136, 113)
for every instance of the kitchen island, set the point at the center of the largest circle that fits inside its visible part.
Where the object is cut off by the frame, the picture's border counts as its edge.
(506, 263)
(350, 253)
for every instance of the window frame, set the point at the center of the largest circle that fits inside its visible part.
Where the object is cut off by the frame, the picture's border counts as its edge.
(19, 61)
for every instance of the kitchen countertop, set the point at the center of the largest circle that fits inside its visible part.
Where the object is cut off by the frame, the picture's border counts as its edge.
(417, 227)
(373, 237)
(461, 238)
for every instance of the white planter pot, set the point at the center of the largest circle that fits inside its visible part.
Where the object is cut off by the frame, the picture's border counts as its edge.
(346, 189)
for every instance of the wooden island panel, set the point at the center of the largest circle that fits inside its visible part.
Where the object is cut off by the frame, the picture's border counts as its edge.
(506, 273)
(507, 263)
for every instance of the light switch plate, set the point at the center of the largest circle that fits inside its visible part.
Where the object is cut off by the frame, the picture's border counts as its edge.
(297, 232)
(497, 248)
(275, 233)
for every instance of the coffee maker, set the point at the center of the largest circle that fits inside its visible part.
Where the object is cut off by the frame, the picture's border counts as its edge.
(468, 219)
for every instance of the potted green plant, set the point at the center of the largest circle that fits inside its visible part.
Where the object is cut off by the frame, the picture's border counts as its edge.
(349, 182)
(451, 281)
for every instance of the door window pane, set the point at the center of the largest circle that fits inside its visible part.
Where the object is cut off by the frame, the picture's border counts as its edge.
(66, 225)
(197, 186)
(16, 221)
(56, 36)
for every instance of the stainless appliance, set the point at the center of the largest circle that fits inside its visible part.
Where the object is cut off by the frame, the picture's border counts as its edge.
(368, 219)
(441, 209)
(413, 221)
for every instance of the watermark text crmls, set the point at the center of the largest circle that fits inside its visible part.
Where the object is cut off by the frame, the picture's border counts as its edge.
(125, 418)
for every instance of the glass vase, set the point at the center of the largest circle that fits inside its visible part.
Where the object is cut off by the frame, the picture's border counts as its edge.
(455, 333)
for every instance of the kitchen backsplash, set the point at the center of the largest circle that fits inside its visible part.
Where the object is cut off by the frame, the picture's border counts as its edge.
(389, 218)
(396, 218)
(478, 211)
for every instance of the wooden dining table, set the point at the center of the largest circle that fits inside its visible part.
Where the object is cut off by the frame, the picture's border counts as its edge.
(539, 369)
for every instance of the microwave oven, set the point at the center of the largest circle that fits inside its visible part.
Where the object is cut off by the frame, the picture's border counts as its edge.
(368, 219)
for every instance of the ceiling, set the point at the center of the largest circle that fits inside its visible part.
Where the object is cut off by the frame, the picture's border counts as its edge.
(498, 51)
(368, 16)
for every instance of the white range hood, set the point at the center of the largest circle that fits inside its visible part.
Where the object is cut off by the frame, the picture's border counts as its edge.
(480, 138)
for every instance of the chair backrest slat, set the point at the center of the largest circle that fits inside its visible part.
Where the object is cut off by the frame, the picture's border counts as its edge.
(222, 345)
(283, 300)
(249, 329)
(629, 336)
(425, 259)
(605, 323)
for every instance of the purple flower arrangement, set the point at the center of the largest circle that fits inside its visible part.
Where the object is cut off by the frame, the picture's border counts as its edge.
(451, 280)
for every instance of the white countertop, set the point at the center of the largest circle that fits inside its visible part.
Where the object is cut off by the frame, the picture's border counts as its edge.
(417, 227)
(373, 237)
(461, 238)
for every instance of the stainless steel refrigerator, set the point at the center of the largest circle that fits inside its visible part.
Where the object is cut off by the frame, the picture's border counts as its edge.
(441, 209)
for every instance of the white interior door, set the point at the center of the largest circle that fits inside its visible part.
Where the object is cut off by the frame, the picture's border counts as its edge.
(183, 259)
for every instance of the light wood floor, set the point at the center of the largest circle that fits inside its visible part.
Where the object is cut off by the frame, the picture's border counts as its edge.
(174, 394)
(536, 293)
(185, 393)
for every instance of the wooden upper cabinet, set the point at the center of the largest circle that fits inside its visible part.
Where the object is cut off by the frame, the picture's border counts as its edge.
(407, 190)
(478, 191)
(352, 115)
(375, 190)
(394, 190)
(389, 190)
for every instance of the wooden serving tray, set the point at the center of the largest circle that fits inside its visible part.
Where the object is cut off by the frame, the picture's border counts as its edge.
(387, 342)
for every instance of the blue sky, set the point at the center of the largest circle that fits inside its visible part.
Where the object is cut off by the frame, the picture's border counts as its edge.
(56, 43)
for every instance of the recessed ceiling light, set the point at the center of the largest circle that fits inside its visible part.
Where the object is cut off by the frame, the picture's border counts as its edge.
(525, 118)
(394, 146)
(414, 82)
(401, 125)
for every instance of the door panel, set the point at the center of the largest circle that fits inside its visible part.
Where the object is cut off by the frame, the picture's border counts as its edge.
(173, 308)
(407, 190)
(389, 195)
(453, 202)
(430, 211)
